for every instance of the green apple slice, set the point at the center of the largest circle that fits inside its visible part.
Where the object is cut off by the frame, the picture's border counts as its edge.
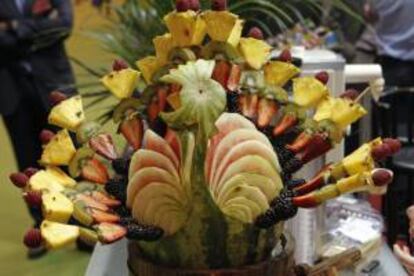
(251, 193)
(154, 142)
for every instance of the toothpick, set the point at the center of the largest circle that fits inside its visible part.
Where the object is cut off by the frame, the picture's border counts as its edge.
(362, 94)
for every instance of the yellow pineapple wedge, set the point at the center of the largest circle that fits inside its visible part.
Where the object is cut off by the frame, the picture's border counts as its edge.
(58, 235)
(163, 45)
(309, 92)
(278, 73)
(148, 66)
(121, 83)
(223, 26)
(61, 177)
(59, 151)
(256, 52)
(56, 207)
(68, 114)
(186, 28)
(45, 182)
(359, 161)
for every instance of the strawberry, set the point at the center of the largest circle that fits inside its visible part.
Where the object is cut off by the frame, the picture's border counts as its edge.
(132, 129)
(104, 199)
(101, 216)
(162, 93)
(56, 97)
(219, 5)
(104, 146)
(33, 199)
(182, 5)
(312, 185)
(256, 33)
(221, 72)
(319, 145)
(194, 5)
(267, 109)
(234, 77)
(119, 65)
(306, 201)
(285, 56)
(288, 121)
(300, 143)
(249, 104)
(153, 109)
(91, 202)
(19, 179)
(93, 170)
(323, 77)
(350, 94)
(382, 177)
(33, 238)
(30, 171)
(46, 136)
(109, 232)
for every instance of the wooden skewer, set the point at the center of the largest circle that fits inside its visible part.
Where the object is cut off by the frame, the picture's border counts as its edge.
(362, 95)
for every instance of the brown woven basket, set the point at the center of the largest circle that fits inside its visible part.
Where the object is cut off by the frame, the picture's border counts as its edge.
(280, 265)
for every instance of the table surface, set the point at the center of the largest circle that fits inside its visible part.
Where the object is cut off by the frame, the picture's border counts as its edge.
(110, 260)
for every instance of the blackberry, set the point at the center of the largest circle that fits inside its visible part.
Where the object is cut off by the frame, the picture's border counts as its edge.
(267, 219)
(117, 188)
(145, 233)
(125, 221)
(287, 194)
(292, 183)
(121, 165)
(84, 246)
(291, 166)
(233, 102)
(159, 126)
(284, 208)
(122, 211)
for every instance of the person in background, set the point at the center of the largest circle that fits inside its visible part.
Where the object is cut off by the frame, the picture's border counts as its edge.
(33, 63)
(392, 20)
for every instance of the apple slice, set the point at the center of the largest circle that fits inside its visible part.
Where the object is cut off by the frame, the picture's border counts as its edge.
(154, 142)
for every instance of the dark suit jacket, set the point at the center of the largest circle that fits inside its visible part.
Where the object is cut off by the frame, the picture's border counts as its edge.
(34, 48)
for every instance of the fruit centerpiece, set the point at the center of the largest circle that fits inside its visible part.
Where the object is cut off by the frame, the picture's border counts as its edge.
(215, 133)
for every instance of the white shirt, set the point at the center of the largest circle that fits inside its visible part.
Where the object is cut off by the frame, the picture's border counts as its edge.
(395, 28)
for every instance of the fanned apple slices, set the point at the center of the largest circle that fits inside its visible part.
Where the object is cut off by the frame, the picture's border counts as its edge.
(156, 192)
(242, 169)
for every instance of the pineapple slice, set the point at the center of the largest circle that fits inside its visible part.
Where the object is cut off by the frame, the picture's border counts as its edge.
(148, 66)
(186, 28)
(163, 45)
(59, 151)
(68, 114)
(58, 235)
(121, 83)
(223, 26)
(256, 52)
(278, 73)
(61, 177)
(43, 181)
(56, 207)
(359, 161)
(308, 92)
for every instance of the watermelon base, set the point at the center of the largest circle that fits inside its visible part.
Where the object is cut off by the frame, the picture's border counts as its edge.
(280, 263)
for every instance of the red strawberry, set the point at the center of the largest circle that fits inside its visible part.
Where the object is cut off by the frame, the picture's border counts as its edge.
(312, 185)
(104, 146)
(251, 106)
(182, 5)
(288, 121)
(101, 216)
(219, 5)
(317, 147)
(19, 179)
(350, 94)
(394, 144)
(300, 143)
(256, 33)
(104, 199)
(153, 109)
(30, 171)
(46, 136)
(267, 109)
(221, 72)
(306, 201)
(91, 202)
(94, 171)
(109, 232)
(56, 97)
(323, 77)
(234, 77)
(33, 199)
(119, 65)
(33, 238)
(132, 129)
(194, 5)
(285, 56)
(382, 177)
(162, 93)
